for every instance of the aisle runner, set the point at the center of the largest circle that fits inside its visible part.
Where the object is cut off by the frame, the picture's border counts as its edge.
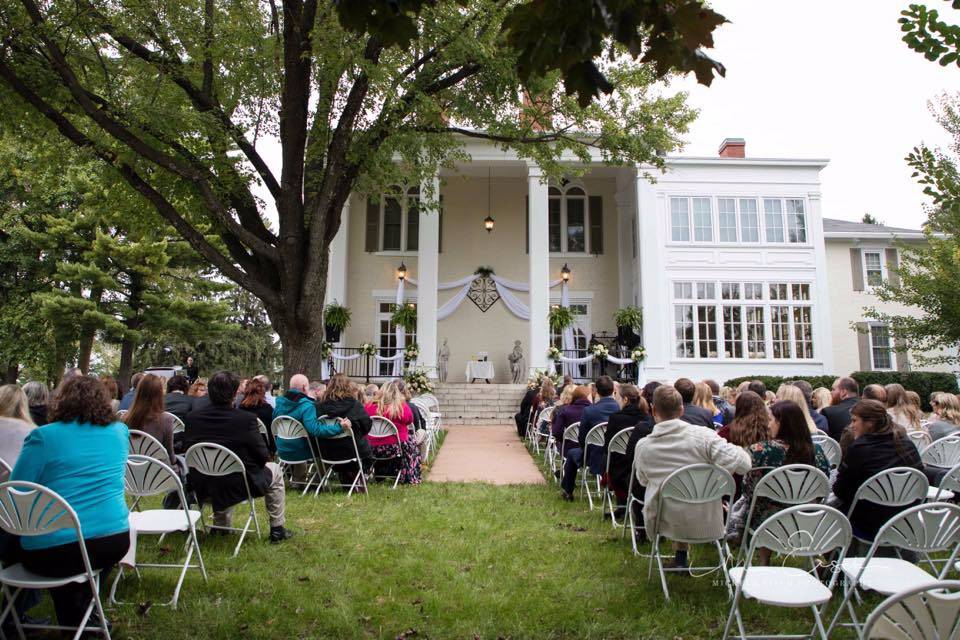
(484, 454)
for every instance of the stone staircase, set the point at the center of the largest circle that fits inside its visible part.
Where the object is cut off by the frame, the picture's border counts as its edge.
(479, 404)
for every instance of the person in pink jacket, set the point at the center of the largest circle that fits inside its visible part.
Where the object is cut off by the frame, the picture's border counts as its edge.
(389, 403)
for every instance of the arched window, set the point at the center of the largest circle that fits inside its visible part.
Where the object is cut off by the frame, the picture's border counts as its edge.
(569, 221)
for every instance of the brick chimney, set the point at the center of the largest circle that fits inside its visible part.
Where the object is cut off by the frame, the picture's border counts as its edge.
(733, 148)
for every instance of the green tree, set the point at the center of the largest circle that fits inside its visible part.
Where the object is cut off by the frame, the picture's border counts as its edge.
(926, 33)
(869, 219)
(175, 101)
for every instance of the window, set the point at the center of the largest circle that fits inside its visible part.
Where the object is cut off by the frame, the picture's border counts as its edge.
(727, 208)
(881, 352)
(873, 268)
(679, 220)
(749, 320)
(702, 220)
(773, 219)
(568, 220)
(387, 336)
(796, 221)
(749, 221)
(400, 219)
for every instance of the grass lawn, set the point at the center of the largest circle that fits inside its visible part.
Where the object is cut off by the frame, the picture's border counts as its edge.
(434, 561)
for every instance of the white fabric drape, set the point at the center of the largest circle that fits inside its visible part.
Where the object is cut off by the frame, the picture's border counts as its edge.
(566, 338)
(453, 303)
(511, 302)
(520, 286)
(444, 286)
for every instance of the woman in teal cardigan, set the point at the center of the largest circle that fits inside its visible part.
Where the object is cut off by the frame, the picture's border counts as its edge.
(81, 454)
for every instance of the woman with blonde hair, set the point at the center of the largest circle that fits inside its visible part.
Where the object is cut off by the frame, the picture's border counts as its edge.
(903, 412)
(390, 404)
(566, 395)
(703, 398)
(822, 398)
(15, 422)
(947, 408)
(795, 395)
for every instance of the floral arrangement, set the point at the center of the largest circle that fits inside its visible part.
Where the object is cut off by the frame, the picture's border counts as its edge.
(553, 353)
(411, 351)
(417, 381)
(326, 350)
(536, 378)
(599, 351)
(483, 272)
(368, 349)
(638, 354)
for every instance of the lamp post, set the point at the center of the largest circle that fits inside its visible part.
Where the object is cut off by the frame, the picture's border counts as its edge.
(488, 221)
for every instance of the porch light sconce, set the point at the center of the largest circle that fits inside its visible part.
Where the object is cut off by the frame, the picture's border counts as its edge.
(488, 221)
(565, 273)
(401, 271)
(488, 224)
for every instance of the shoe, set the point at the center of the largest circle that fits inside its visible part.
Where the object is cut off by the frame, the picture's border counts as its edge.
(681, 569)
(566, 496)
(279, 534)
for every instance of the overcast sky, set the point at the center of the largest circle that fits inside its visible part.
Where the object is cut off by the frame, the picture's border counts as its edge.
(827, 79)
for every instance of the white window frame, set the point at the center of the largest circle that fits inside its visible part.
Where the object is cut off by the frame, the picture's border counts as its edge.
(692, 221)
(405, 197)
(688, 292)
(563, 198)
(889, 348)
(882, 251)
(759, 200)
(378, 316)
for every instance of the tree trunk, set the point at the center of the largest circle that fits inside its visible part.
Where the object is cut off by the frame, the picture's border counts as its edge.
(128, 344)
(301, 345)
(87, 334)
(12, 373)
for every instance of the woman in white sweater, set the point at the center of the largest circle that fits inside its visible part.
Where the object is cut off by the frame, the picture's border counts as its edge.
(15, 422)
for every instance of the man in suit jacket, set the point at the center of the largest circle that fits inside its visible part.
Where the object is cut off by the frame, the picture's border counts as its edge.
(846, 393)
(593, 415)
(692, 414)
(221, 423)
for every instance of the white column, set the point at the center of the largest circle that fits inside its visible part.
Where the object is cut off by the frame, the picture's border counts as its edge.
(626, 211)
(428, 264)
(654, 283)
(539, 268)
(822, 330)
(337, 268)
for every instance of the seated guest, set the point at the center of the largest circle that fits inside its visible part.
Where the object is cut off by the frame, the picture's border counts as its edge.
(568, 414)
(177, 401)
(721, 402)
(703, 398)
(254, 401)
(370, 392)
(845, 394)
(751, 422)
(127, 398)
(389, 404)
(220, 423)
(267, 390)
(821, 400)
(38, 395)
(592, 415)
(807, 390)
(198, 392)
(877, 444)
(15, 422)
(673, 444)
(903, 412)
(546, 398)
(241, 391)
(317, 388)
(692, 414)
(793, 393)
(113, 390)
(789, 442)
(340, 401)
(299, 405)
(635, 413)
(758, 388)
(147, 414)
(81, 455)
(875, 392)
(947, 421)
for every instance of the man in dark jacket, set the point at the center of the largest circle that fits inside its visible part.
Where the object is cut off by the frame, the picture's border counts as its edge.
(524, 415)
(177, 401)
(724, 407)
(221, 423)
(592, 416)
(692, 414)
(846, 393)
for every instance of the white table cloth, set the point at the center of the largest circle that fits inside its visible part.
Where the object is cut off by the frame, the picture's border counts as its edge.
(479, 370)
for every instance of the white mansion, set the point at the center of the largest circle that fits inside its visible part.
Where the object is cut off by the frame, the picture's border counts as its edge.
(730, 258)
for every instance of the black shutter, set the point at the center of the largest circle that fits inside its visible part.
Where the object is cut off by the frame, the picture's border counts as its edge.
(863, 346)
(526, 225)
(372, 243)
(856, 268)
(596, 225)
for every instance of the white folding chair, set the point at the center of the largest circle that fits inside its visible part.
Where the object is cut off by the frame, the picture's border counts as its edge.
(290, 429)
(618, 445)
(896, 487)
(944, 453)
(921, 439)
(821, 433)
(144, 444)
(831, 450)
(215, 460)
(930, 612)
(570, 434)
(147, 476)
(695, 484)
(178, 426)
(948, 488)
(789, 485)
(30, 509)
(630, 521)
(384, 428)
(801, 531)
(596, 438)
(535, 432)
(925, 529)
(430, 421)
(329, 464)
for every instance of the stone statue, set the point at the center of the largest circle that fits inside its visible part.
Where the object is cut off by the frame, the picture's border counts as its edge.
(518, 367)
(443, 357)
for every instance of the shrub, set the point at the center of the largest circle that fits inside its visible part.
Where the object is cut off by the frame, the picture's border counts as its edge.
(773, 382)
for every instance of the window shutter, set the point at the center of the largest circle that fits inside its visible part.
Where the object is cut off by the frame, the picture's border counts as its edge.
(372, 243)
(903, 358)
(596, 225)
(526, 226)
(863, 342)
(440, 230)
(893, 263)
(856, 267)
